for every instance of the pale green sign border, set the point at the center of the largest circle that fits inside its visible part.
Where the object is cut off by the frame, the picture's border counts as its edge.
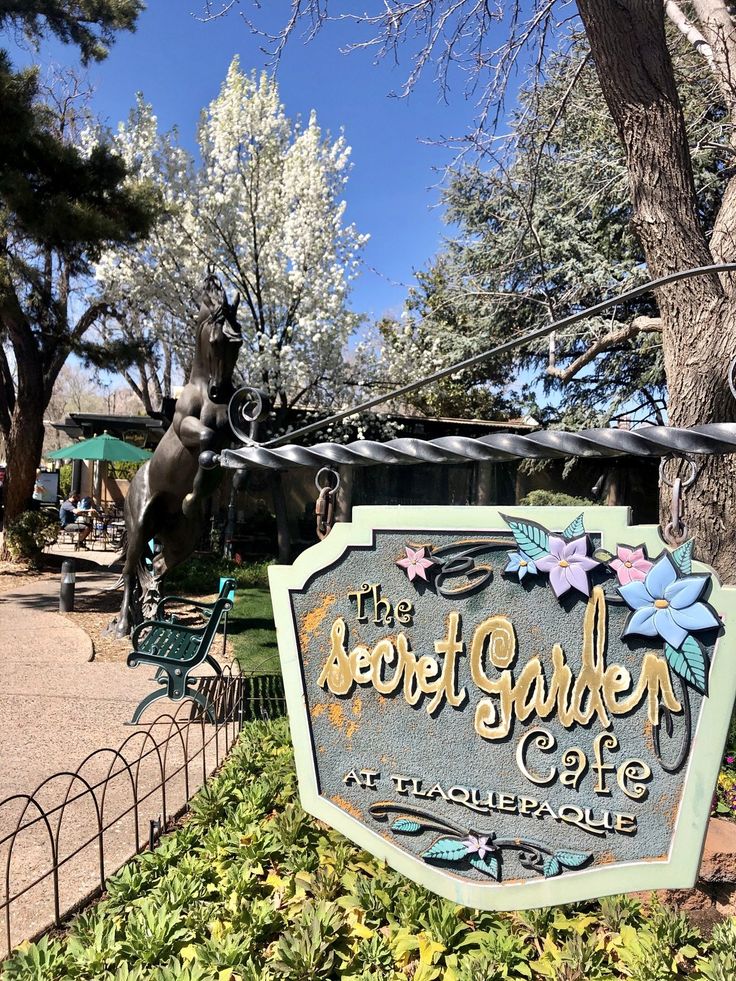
(679, 870)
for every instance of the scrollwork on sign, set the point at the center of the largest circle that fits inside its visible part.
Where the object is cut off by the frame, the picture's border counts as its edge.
(447, 563)
(458, 845)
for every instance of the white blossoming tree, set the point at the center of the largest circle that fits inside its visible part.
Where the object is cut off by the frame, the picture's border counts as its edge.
(265, 207)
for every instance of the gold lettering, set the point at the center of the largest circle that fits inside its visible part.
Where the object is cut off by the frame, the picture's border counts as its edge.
(527, 805)
(507, 803)
(384, 652)
(576, 763)
(605, 740)
(634, 770)
(336, 672)
(544, 741)
(361, 666)
(404, 611)
(358, 596)
(626, 824)
(400, 782)
(596, 692)
(450, 647)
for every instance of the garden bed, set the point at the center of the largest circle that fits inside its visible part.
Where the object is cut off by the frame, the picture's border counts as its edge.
(251, 888)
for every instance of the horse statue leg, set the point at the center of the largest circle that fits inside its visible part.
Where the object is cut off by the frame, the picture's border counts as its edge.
(194, 432)
(137, 535)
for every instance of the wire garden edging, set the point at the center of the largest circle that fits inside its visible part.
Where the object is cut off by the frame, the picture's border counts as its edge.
(181, 747)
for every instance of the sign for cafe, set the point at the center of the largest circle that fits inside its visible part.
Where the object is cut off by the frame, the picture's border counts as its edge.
(516, 707)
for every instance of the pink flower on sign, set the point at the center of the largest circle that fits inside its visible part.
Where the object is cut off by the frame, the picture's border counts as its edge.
(568, 564)
(631, 564)
(416, 563)
(479, 844)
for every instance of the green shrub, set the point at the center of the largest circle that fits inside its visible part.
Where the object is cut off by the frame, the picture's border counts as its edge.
(201, 574)
(545, 498)
(29, 534)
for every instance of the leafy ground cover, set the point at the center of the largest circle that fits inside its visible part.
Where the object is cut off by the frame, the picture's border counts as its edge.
(251, 889)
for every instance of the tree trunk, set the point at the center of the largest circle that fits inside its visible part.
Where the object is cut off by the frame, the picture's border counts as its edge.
(24, 444)
(628, 44)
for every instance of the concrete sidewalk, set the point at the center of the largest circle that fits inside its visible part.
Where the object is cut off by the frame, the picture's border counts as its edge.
(56, 708)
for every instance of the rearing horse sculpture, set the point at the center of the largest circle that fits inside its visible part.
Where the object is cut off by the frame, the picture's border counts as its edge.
(164, 502)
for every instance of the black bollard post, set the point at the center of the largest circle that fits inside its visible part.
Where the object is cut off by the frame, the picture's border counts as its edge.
(66, 589)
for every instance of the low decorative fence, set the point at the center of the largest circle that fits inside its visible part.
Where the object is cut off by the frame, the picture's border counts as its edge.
(58, 844)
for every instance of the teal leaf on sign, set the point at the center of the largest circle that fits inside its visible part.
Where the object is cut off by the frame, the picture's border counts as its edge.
(690, 663)
(683, 557)
(487, 865)
(572, 860)
(551, 867)
(530, 537)
(446, 850)
(406, 826)
(575, 529)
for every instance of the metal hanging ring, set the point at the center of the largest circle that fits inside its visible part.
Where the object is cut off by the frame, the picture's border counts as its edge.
(688, 481)
(332, 475)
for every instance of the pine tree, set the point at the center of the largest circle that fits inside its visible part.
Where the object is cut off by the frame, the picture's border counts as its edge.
(59, 207)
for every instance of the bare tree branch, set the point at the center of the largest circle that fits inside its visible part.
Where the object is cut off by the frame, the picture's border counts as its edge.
(640, 325)
(681, 22)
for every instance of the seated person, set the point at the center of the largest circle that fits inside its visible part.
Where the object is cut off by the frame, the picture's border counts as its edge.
(90, 505)
(73, 518)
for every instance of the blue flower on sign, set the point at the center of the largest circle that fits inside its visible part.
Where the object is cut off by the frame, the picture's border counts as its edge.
(666, 605)
(521, 563)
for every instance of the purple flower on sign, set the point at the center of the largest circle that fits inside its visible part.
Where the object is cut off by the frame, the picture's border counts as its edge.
(480, 844)
(416, 563)
(568, 564)
(666, 605)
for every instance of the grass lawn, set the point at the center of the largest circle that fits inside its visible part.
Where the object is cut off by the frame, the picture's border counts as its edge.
(250, 625)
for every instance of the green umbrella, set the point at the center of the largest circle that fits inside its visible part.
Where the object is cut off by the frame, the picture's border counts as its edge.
(105, 447)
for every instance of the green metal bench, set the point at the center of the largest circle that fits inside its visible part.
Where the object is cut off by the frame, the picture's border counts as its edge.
(203, 609)
(175, 650)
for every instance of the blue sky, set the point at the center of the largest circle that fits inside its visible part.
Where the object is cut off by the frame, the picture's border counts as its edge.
(179, 63)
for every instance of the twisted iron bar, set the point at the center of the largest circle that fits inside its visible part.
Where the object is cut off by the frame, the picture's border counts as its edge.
(646, 441)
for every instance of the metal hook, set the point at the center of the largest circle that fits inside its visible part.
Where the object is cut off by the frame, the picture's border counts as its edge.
(325, 505)
(675, 532)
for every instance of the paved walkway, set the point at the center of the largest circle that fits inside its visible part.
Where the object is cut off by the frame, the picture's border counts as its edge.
(56, 708)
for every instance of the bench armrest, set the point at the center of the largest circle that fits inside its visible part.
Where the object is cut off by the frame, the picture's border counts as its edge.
(166, 625)
(184, 600)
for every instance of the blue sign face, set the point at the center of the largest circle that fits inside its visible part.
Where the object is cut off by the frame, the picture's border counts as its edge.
(507, 707)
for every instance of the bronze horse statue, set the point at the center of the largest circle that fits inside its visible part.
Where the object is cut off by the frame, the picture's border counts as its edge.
(164, 502)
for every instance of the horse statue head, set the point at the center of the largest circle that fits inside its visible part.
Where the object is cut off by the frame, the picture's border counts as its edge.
(218, 340)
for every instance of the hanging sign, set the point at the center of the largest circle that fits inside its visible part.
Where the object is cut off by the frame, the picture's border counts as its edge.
(515, 708)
